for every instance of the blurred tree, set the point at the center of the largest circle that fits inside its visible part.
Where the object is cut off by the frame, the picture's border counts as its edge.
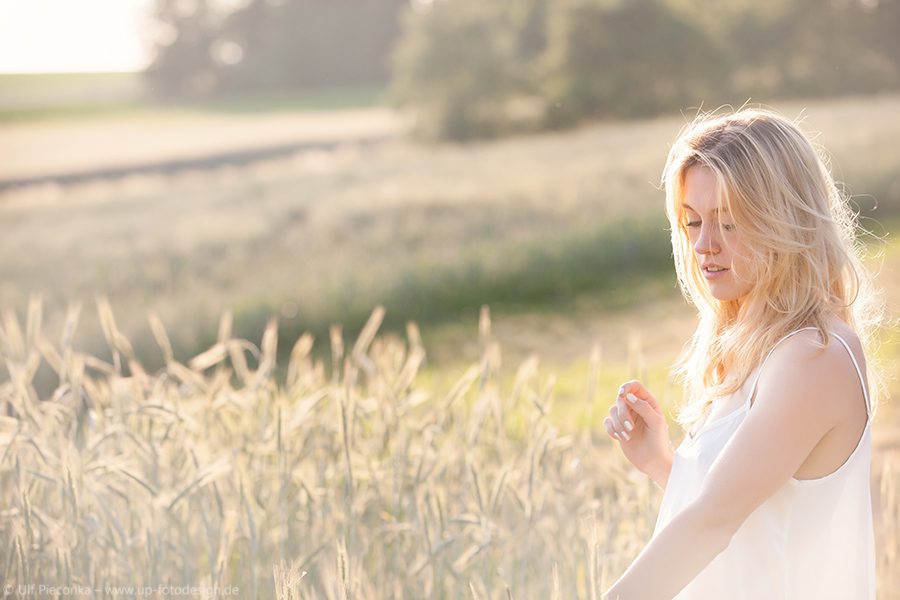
(313, 43)
(183, 64)
(458, 69)
(529, 18)
(785, 48)
(885, 14)
(628, 58)
(274, 44)
(478, 68)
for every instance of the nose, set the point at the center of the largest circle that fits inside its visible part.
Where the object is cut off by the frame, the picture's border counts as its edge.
(707, 243)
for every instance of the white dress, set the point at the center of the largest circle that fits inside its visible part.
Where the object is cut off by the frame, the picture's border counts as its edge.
(811, 540)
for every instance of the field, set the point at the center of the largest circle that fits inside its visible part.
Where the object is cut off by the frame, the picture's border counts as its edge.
(430, 232)
(357, 477)
(369, 460)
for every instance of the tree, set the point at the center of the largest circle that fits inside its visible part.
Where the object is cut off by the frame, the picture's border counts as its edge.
(457, 70)
(626, 59)
(274, 45)
(183, 63)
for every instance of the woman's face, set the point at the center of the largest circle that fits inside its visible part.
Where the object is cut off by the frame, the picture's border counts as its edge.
(720, 255)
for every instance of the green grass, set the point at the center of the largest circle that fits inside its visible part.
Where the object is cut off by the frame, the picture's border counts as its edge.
(331, 98)
(26, 98)
(60, 81)
(69, 112)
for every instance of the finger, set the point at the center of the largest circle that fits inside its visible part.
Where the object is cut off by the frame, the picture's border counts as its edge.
(617, 422)
(625, 415)
(614, 417)
(638, 389)
(648, 413)
(608, 425)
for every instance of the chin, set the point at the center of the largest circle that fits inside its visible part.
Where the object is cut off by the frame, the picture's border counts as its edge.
(729, 297)
(724, 296)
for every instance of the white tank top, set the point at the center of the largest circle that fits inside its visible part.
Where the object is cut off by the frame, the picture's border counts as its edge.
(813, 539)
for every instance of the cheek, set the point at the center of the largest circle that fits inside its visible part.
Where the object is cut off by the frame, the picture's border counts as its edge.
(737, 246)
(690, 237)
(744, 263)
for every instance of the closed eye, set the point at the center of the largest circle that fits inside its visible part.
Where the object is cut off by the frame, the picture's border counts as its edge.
(725, 226)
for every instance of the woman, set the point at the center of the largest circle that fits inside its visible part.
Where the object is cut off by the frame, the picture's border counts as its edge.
(767, 497)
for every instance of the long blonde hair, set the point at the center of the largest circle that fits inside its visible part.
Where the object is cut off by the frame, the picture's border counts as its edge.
(802, 237)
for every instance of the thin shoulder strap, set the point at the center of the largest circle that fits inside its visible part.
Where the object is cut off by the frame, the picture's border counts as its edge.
(862, 381)
(852, 357)
(768, 354)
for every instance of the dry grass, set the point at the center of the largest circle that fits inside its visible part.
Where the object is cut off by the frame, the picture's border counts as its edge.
(349, 479)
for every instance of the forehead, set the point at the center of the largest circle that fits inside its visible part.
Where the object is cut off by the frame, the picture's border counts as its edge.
(701, 190)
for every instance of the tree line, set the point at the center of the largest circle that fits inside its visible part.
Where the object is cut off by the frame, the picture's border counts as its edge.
(480, 68)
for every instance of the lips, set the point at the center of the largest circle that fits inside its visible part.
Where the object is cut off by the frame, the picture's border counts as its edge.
(713, 275)
(711, 268)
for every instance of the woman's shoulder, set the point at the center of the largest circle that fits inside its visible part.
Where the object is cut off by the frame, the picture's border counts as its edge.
(808, 342)
(802, 362)
(805, 347)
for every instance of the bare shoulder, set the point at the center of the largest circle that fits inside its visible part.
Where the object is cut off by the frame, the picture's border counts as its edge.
(819, 378)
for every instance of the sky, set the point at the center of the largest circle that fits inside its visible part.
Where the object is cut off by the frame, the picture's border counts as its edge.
(61, 36)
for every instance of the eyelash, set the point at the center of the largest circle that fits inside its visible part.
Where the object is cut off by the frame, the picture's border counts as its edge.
(726, 226)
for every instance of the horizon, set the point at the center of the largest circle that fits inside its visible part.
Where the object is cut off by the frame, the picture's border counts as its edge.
(73, 73)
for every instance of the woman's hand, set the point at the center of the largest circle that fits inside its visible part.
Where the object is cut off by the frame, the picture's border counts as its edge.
(637, 421)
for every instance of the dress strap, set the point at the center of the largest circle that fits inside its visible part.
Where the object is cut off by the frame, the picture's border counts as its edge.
(843, 342)
(862, 382)
(769, 353)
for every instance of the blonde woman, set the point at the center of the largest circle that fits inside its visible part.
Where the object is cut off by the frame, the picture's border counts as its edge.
(767, 496)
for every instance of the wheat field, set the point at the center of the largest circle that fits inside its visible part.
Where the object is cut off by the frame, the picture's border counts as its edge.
(317, 463)
(343, 478)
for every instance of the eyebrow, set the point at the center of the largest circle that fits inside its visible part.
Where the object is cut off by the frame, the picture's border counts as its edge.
(715, 210)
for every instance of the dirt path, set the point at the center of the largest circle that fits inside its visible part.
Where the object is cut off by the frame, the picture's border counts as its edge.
(165, 140)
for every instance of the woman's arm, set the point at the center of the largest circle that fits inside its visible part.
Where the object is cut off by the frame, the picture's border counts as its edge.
(673, 558)
(799, 399)
(659, 473)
